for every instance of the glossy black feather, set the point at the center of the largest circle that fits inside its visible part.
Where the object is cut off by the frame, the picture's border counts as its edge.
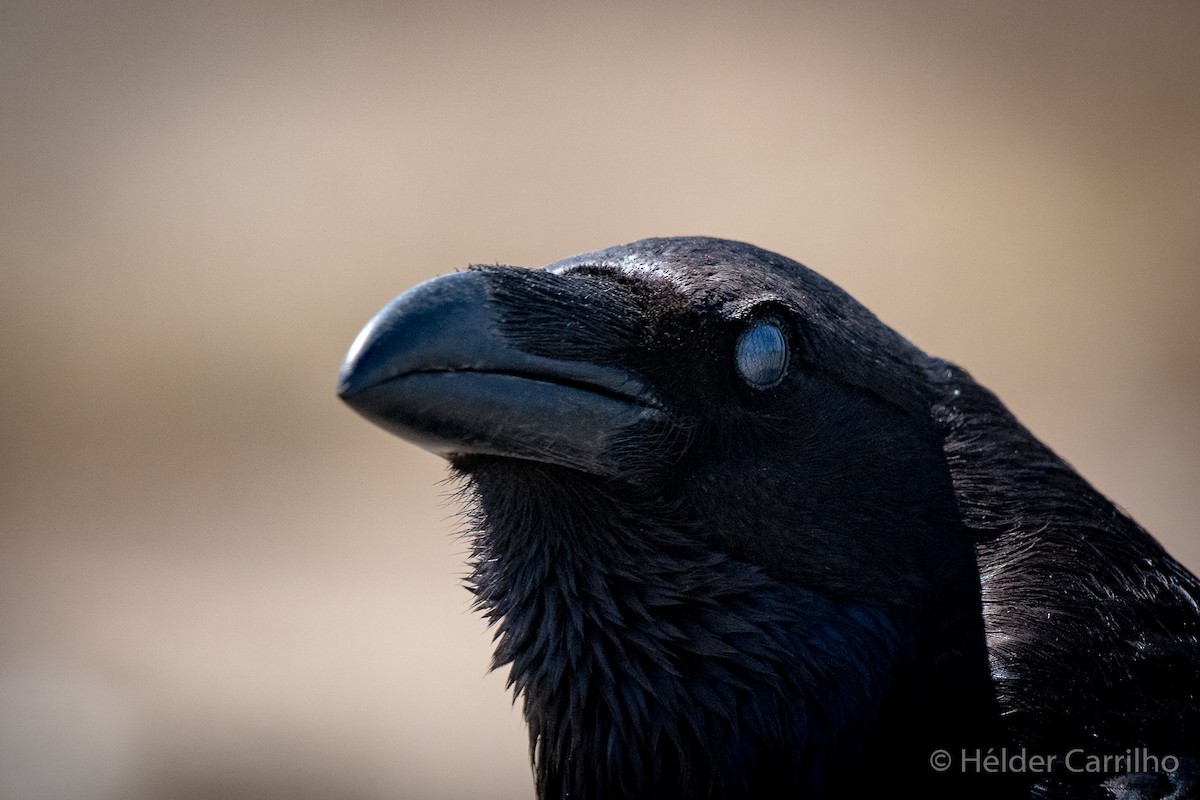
(803, 586)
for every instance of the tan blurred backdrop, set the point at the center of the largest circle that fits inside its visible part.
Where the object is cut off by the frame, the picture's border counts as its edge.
(217, 582)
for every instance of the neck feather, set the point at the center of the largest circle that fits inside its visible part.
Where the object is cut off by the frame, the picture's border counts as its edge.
(650, 665)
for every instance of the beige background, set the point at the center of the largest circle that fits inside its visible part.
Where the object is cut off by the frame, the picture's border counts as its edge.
(217, 582)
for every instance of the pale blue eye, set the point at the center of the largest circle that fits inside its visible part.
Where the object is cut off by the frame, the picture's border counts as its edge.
(762, 354)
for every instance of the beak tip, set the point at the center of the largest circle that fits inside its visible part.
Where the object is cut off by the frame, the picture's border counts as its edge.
(354, 377)
(407, 331)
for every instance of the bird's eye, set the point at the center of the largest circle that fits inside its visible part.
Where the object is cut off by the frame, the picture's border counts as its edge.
(762, 354)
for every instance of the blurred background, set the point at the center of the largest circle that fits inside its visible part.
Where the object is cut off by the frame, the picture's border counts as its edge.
(218, 582)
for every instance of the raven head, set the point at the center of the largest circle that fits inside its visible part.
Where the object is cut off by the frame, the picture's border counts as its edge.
(710, 380)
(713, 519)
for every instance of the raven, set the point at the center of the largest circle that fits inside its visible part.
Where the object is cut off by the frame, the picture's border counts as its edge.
(738, 538)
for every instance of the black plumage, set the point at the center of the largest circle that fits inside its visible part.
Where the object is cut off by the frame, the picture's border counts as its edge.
(739, 539)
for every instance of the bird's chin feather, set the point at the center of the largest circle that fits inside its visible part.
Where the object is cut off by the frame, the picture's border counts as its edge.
(650, 664)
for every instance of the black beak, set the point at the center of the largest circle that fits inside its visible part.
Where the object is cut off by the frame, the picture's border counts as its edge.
(433, 367)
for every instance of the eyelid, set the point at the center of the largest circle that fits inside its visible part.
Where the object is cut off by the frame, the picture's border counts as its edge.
(763, 307)
(761, 355)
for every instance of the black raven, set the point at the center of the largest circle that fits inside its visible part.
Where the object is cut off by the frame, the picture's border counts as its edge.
(740, 539)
